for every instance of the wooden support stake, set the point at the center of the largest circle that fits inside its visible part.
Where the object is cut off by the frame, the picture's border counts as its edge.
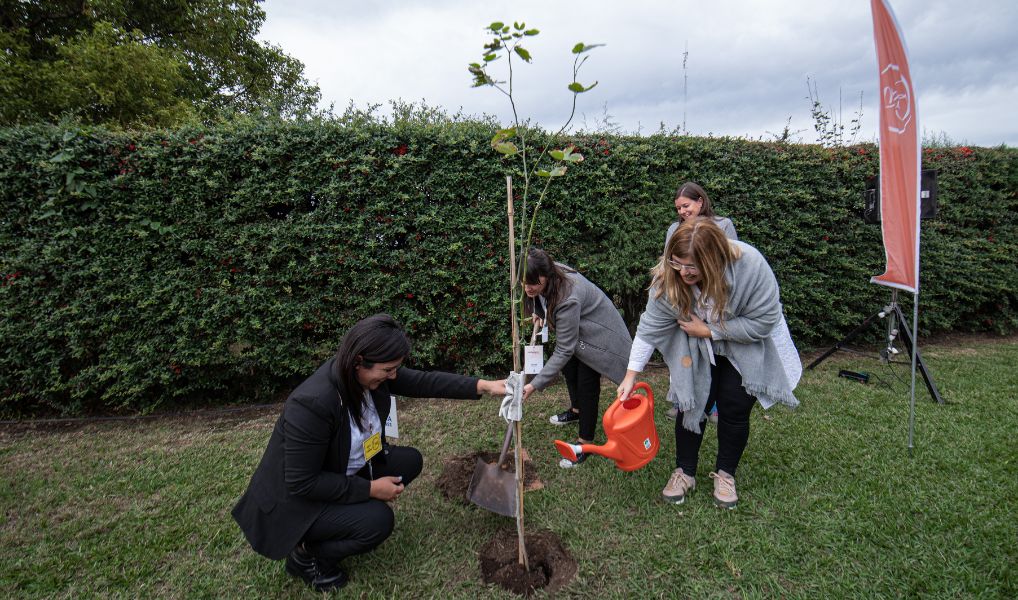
(518, 433)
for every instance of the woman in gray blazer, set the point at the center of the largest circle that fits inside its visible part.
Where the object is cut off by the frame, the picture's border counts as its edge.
(591, 340)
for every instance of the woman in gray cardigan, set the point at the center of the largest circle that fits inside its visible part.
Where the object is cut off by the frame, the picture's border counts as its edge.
(712, 311)
(591, 339)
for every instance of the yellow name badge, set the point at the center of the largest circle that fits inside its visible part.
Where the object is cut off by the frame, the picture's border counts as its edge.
(372, 445)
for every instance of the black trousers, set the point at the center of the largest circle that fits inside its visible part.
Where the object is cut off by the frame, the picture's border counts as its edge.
(584, 385)
(734, 407)
(346, 529)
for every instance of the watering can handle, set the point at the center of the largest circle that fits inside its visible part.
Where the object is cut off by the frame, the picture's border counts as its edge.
(642, 385)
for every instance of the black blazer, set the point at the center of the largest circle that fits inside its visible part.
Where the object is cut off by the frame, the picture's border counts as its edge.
(304, 466)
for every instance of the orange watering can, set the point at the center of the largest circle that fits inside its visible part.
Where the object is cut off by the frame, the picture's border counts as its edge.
(632, 437)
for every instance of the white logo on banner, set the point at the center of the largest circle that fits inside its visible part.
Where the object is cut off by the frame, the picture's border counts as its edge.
(897, 97)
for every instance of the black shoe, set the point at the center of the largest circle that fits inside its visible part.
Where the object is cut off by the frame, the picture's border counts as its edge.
(564, 418)
(314, 571)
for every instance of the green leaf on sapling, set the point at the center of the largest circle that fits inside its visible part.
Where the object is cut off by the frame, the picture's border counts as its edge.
(503, 134)
(496, 26)
(524, 54)
(507, 148)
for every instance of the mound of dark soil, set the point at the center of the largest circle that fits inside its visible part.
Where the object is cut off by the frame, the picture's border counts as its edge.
(458, 470)
(551, 566)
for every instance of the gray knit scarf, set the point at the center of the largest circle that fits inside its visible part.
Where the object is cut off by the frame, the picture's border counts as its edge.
(753, 309)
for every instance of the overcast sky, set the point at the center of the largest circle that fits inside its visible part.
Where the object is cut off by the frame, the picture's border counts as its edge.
(747, 61)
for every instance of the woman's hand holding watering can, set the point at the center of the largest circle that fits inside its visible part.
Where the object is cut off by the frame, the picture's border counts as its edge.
(626, 387)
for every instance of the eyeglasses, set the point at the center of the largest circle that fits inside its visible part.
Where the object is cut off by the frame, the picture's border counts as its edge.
(692, 270)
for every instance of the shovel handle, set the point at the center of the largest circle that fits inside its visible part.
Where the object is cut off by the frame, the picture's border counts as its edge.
(505, 443)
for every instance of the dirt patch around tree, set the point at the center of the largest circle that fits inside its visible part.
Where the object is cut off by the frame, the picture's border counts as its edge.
(551, 565)
(457, 471)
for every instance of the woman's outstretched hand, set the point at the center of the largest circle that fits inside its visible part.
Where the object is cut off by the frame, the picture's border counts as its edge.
(494, 387)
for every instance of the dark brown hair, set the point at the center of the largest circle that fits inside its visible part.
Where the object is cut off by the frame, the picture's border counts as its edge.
(376, 339)
(557, 285)
(693, 191)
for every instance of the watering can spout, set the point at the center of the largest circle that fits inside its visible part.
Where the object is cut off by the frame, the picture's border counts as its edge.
(632, 436)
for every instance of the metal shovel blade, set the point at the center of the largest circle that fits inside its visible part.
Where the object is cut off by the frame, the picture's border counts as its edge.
(493, 488)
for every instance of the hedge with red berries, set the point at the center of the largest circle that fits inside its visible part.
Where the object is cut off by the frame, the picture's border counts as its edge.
(169, 268)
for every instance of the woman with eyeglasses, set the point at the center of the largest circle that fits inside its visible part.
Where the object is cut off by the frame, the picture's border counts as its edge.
(324, 486)
(591, 340)
(692, 201)
(714, 312)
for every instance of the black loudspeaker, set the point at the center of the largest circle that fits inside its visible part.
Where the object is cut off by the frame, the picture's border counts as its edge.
(927, 197)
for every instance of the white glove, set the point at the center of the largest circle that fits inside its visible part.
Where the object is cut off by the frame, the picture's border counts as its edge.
(512, 404)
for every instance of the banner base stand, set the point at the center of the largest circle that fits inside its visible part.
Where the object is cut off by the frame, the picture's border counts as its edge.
(891, 312)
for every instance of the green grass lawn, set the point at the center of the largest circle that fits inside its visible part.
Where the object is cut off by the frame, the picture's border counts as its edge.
(831, 503)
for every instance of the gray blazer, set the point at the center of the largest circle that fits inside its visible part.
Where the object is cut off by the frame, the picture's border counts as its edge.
(588, 326)
(724, 223)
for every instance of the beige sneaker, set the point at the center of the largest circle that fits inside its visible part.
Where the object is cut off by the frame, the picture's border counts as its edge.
(679, 484)
(724, 490)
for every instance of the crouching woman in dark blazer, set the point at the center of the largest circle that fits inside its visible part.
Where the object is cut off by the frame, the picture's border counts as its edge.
(321, 490)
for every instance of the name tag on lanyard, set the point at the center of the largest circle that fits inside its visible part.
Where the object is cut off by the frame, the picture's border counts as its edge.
(372, 445)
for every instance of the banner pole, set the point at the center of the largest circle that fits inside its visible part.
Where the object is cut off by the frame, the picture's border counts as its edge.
(915, 353)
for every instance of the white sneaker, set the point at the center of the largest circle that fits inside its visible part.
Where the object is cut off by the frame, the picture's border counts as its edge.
(565, 463)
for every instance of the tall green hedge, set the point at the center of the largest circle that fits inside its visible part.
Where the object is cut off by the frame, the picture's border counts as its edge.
(170, 267)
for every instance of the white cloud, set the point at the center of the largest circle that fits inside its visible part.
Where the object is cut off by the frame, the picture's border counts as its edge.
(747, 60)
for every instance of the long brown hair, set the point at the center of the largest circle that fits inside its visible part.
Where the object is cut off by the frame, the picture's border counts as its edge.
(705, 244)
(693, 191)
(557, 286)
